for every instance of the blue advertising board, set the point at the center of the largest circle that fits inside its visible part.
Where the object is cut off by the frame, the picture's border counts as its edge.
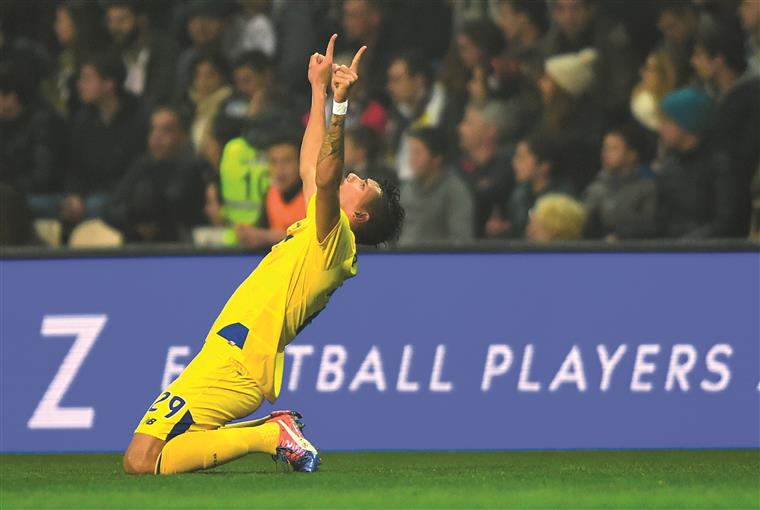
(419, 351)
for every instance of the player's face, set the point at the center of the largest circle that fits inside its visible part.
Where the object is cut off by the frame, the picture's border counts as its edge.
(356, 194)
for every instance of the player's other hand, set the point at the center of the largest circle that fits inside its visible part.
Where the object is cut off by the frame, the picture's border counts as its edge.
(344, 77)
(320, 66)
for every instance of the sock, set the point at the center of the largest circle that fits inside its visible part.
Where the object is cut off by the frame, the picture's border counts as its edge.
(210, 448)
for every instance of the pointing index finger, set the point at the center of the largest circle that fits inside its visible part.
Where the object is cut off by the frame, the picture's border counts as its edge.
(331, 46)
(357, 59)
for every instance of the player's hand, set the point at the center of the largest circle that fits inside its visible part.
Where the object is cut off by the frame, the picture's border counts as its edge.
(320, 66)
(345, 77)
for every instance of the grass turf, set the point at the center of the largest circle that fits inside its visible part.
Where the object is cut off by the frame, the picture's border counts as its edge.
(569, 479)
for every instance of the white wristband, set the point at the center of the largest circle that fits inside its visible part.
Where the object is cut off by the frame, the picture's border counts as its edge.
(340, 108)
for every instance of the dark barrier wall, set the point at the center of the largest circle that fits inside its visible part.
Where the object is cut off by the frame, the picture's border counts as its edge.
(440, 351)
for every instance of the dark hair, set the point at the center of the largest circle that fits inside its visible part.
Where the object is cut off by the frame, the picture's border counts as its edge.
(365, 138)
(109, 66)
(416, 64)
(544, 148)
(486, 35)
(720, 41)
(633, 137)
(216, 59)
(386, 217)
(255, 59)
(136, 7)
(679, 8)
(284, 138)
(183, 117)
(432, 138)
(535, 11)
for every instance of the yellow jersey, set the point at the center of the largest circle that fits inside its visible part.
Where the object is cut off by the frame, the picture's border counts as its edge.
(290, 286)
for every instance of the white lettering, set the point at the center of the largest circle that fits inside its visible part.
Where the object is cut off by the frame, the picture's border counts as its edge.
(333, 359)
(571, 371)
(403, 384)
(503, 354)
(677, 370)
(525, 384)
(642, 367)
(371, 371)
(299, 352)
(172, 369)
(435, 380)
(49, 414)
(718, 367)
(609, 363)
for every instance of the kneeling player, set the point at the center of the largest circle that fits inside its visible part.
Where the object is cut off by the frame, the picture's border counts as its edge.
(241, 361)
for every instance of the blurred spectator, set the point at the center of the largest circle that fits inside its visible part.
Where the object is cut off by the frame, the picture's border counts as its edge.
(535, 163)
(252, 28)
(209, 89)
(254, 93)
(568, 115)
(621, 202)
(106, 136)
(685, 197)
(296, 25)
(205, 26)
(577, 25)
(523, 23)
(362, 149)
(556, 217)
(678, 23)
(76, 30)
(437, 202)
(284, 201)
(485, 168)
(243, 183)
(15, 219)
(720, 59)
(755, 224)
(150, 56)
(658, 78)
(31, 139)
(161, 196)
(749, 14)
(468, 68)
(416, 102)
(364, 23)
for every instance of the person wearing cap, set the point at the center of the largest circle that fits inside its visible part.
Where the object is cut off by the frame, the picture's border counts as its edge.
(687, 172)
(568, 115)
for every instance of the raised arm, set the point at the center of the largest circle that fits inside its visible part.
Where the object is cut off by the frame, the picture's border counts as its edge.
(330, 162)
(320, 70)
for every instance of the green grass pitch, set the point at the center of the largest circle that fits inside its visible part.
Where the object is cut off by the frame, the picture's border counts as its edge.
(555, 479)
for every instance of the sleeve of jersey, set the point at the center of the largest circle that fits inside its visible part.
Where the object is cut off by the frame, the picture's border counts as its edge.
(339, 246)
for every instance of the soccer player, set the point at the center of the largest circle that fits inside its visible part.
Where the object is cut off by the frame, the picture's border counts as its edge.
(241, 362)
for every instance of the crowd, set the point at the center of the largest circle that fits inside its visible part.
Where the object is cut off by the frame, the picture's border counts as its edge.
(128, 121)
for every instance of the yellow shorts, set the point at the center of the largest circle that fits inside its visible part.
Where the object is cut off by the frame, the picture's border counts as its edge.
(214, 389)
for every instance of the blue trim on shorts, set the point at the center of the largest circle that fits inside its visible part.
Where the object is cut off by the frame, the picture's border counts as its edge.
(181, 426)
(235, 333)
